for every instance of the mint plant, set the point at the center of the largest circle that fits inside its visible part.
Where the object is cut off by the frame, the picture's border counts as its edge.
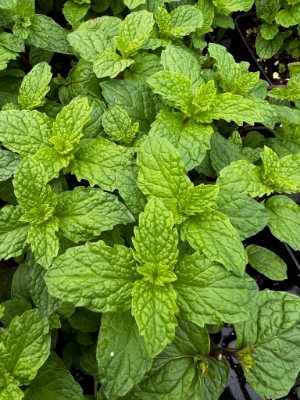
(133, 168)
(279, 29)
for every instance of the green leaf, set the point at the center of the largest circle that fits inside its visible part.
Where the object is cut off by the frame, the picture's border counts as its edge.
(134, 31)
(37, 34)
(137, 99)
(199, 198)
(204, 96)
(53, 381)
(34, 195)
(94, 276)
(84, 213)
(8, 164)
(25, 345)
(185, 20)
(155, 239)
(144, 66)
(177, 59)
(35, 86)
(12, 308)
(223, 152)
(5, 57)
(284, 221)
(173, 370)
(269, 344)
(9, 387)
(38, 289)
(210, 380)
(19, 7)
(110, 64)
(13, 232)
(212, 233)
(101, 162)
(44, 242)
(57, 36)
(10, 42)
(192, 140)
(67, 128)
(85, 320)
(162, 172)
(231, 107)
(243, 177)
(117, 125)
(266, 262)
(25, 132)
(37, 56)
(285, 18)
(6, 276)
(268, 48)
(131, 4)
(227, 68)
(268, 31)
(175, 88)
(52, 161)
(246, 215)
(89, 42)
(212, 287)
(77, 82)
(121, 353)
(290, 92)
(153, 307)
(74, 12)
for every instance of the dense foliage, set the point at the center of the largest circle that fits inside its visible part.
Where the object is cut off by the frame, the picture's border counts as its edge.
(135, 161)
(279, 29)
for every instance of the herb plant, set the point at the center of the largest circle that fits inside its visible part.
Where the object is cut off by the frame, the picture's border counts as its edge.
(279, 29)
(132, 169)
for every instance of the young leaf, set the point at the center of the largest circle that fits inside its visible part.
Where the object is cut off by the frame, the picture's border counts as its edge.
(162, 173)
(110, 64)
(153, 307)
(174, 88)
(117, 125)
(144, 66)
(134, 31)
(53, 381)
(192, 140)
(74, 12)
(212, 233)
(121, 354)
(25, 345)
(136, 98)
(266, 262)
(177, 59)
(67, 128)
(84, 213)
(9, 386)
(269, 344)
(25, 132)
(34, 195)
(155, 239)
(35, 86)
(110, 270)
(284, 222)
(212, 287)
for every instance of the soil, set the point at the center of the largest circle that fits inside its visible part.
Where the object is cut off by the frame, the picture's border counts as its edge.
(250, 29)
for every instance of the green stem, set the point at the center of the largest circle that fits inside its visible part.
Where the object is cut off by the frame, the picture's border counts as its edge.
(25, 61)
(95, 389)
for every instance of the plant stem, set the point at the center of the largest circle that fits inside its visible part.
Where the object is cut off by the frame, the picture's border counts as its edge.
(25, 61)
(95, 389)
(275, 86)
